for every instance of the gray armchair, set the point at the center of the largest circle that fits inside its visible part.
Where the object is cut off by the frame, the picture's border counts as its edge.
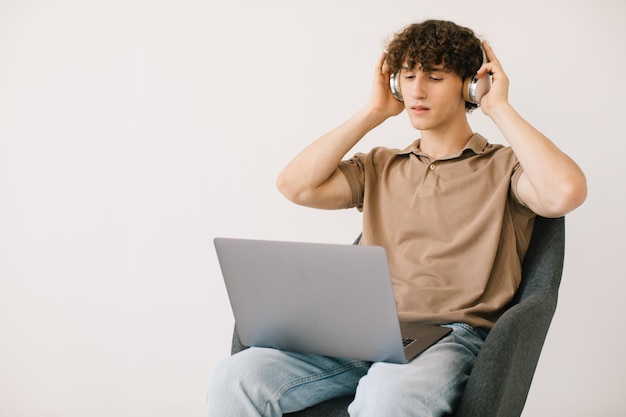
(499, 383)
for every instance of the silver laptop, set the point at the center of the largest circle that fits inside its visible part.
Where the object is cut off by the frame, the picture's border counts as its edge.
(327, 299)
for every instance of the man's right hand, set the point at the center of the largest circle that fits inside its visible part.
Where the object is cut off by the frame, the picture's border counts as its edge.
(381, 99)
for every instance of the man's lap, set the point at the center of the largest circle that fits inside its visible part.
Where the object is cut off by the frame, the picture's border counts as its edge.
(280, 382)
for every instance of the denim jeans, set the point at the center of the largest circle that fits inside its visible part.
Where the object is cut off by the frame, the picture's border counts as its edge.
(269, 382)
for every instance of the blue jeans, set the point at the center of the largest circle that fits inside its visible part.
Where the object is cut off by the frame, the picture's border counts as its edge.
(269, 382)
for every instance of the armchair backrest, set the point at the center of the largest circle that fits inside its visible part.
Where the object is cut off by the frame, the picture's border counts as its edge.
(503, 372)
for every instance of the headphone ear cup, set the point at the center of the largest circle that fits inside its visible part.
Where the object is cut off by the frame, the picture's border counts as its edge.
(474, 89)
(394, 84)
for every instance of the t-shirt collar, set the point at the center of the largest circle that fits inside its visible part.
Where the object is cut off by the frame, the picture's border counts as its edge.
(477, 144)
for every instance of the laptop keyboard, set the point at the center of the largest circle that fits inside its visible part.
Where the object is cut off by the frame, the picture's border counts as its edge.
(406, 342)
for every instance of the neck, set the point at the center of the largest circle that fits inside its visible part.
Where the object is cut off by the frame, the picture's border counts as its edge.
(437, 143)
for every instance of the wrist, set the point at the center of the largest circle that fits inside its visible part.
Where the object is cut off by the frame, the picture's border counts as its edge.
(373, 116)
(500, 111)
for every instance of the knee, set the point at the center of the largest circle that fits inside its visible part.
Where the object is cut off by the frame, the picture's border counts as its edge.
(231, 375)
(381, 386)
(397, 390)
(237, 387)
(250, 372)
(222, 378)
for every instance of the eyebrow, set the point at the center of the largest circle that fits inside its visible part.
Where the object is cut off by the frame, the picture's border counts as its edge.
(433, 69)
(427, 69)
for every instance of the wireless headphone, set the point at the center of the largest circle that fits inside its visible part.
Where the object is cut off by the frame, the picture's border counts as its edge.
(473, 89)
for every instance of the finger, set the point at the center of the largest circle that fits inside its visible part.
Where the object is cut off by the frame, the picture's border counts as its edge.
(491, 56)
(489, 68)
(492, 64)
(381, 66)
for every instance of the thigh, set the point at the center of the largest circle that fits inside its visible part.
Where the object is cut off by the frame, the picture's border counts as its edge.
(275, 382)
(430, 385)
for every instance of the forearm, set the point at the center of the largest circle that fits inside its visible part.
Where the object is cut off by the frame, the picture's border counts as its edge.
(314, 165)
(554, 184)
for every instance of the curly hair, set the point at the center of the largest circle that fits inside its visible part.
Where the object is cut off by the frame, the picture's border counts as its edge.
(433, 43)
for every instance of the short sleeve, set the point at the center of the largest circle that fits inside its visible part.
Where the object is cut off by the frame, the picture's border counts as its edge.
(354, 171)
(518, 170)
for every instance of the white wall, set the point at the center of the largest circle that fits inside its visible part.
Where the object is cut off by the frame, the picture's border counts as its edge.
(133, 132)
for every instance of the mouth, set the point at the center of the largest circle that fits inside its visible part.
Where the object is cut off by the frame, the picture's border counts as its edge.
(419, 109)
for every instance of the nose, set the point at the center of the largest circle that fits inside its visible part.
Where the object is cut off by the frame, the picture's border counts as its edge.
(416, 87)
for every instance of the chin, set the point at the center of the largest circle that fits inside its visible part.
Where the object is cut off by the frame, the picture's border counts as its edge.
(420, 125)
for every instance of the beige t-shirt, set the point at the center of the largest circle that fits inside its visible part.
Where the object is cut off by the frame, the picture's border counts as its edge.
(454, 228)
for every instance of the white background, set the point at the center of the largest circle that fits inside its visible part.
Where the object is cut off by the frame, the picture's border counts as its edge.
(133, 132)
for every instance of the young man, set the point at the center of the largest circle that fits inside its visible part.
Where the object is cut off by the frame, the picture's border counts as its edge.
(454, 213)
